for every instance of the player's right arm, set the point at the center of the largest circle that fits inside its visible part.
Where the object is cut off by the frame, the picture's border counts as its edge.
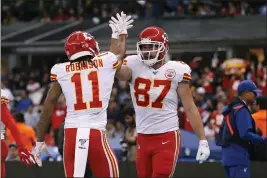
(50, 102)
(45, 119)
(49, 105)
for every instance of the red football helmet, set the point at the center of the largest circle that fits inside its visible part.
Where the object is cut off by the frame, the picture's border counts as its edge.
(80, 44)
(152, 45)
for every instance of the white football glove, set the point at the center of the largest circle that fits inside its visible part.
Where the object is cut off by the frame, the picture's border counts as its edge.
(40, 147)
(203, 151)
(120, 25)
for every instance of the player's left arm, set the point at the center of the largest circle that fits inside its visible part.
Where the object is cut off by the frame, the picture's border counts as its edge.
(185, 94)
(50, 102)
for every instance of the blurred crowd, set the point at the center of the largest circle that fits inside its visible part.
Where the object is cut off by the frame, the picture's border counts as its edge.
(70, 10)
(212, 89)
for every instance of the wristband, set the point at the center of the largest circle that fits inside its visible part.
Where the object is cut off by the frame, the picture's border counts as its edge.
(115, 36)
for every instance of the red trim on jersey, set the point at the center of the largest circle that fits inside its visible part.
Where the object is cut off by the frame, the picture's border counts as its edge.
(124, 62)
(116, 64)
(187, 77)
(4, 100)
(9, 122)
(53, 77)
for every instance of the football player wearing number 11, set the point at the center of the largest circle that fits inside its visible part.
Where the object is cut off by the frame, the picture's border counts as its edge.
(86, 81)
(155, 86)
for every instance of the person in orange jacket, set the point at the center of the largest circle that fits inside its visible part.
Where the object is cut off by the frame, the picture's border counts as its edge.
(28, 136)
(260, 117)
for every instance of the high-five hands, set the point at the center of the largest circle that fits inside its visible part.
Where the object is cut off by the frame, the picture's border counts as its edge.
(25, 156)
(120, 25)
(40, 147)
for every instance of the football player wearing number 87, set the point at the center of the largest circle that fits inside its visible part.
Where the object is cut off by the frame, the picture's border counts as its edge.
(86, 81)
(155, 86)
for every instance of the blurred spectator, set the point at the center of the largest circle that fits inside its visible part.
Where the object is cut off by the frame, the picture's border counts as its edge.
(46, 79)
(263, 9)
(13, 154)
(217, 117)
(4, 86)
(32, 117)
(260, 116)
(119, 129)
(209, 131)
(69, 10)
(110, 129)
(27, 133)
(113, 109)
(33, 88)
(24, 102)
(60, 16)
(130, 134)
(9, 18)
(58, 116)
(200, 96)
(71, 14)
(232, 9)
(124, 92)
(113, 139)
(220, 95)
(45, 17)
(204, 10)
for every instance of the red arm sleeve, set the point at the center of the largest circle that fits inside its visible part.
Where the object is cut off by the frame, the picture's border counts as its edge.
(9, 122)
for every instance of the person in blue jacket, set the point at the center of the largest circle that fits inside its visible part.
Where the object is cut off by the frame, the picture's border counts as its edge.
(237, 134)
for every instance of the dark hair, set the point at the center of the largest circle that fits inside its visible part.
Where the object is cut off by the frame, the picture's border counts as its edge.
(12, 145)
(19, 117)
(129, 111)
(262, 102)
(85, 58)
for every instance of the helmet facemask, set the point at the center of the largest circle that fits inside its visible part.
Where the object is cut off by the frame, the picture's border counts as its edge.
(149, 51)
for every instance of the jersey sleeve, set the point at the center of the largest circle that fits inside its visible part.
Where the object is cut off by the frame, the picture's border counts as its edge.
(129, 62)
(4, 97)
(184, 72)
(112, 58)
(55, 72)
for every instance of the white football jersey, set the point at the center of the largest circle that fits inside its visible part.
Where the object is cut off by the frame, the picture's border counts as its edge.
(4, 100)
(87, 90)
(154, 94)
